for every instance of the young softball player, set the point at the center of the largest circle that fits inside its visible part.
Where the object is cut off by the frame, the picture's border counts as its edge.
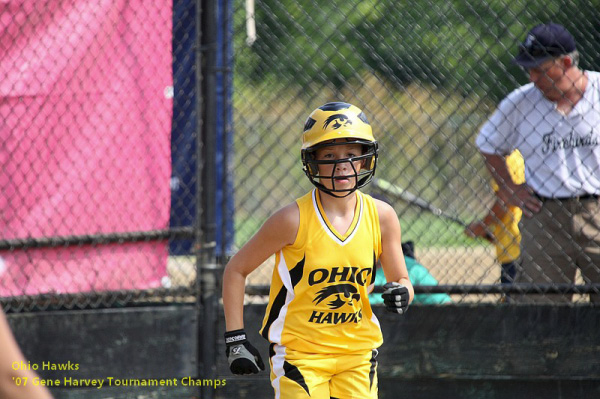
(323, 334)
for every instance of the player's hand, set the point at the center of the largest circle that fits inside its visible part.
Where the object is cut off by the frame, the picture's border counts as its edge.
(521, 195)
(243, 358)
(478, 229)
(395, 297)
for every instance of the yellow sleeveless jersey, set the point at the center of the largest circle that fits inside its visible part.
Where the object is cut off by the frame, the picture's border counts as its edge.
(506, 231)
(318, 301)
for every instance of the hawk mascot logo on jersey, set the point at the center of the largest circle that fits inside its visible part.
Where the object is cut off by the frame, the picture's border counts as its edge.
(343, 294)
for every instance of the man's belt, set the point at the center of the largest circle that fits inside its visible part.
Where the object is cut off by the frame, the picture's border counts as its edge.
(582, 197)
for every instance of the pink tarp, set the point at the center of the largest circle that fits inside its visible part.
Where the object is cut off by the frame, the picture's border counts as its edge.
(85, 121)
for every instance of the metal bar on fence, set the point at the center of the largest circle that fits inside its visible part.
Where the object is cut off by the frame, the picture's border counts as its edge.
(206, 94)
(478, 289)
(199, 189)
(96, 239)
(226, 108)
(94, 300)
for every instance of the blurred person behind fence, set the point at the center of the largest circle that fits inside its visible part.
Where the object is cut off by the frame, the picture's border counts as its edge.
(501, 224)
(16, 379)
(553, 121)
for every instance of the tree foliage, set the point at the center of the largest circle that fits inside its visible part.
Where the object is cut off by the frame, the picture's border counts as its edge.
(459, 46)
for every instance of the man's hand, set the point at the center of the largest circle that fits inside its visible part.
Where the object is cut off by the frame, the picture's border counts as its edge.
(395, 297)
(243, 358)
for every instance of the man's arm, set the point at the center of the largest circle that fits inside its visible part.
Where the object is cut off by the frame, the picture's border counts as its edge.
(509, 193)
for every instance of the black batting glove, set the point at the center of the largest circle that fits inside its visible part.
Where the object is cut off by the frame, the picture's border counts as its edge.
(395, 297)
(242, 356)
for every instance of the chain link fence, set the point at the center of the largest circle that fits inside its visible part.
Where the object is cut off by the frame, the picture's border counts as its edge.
(99, 166)
(428, 75)
(141, 144)
(86, 97)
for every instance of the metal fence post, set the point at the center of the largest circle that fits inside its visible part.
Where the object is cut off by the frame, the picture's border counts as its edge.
(206, 260)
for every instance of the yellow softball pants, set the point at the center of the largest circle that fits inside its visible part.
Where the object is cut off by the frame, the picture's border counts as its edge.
(299, 375)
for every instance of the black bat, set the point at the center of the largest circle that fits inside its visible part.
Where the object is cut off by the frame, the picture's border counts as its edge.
(400, 194)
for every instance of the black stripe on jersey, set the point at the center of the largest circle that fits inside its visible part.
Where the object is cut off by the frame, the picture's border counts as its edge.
(297, 272)
(278, 303)
(295, 275)
(271, 350)
(374, 269)
(295, 375)
(373, 368)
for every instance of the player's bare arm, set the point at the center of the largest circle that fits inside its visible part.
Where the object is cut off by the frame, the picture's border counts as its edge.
(278, 231)
(392, 258)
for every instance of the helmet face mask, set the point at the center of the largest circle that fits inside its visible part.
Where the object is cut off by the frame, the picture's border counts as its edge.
(335, 124)
(361, 175)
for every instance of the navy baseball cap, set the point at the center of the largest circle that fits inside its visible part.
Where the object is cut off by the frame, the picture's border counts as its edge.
(544, 42)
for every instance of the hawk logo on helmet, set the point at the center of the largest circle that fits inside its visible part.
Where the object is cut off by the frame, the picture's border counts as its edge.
(310, 122)
(338, 120)
(344, 294)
